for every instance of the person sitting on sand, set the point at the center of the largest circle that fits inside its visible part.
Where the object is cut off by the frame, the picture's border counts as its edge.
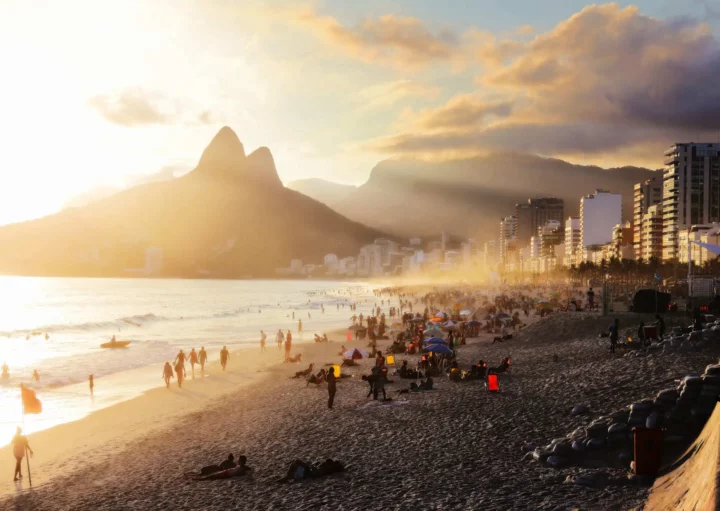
(300, 470)
(307, 371)
(503, 367)
(454, 372)
(317, 379)
(325, 338)
(406, 372)
(167, 374)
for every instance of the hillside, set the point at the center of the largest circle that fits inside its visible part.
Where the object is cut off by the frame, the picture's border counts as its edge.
(468, 197)
(230, 216)
(326, 192)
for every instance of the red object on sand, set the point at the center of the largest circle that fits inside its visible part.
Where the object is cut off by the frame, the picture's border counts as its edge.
(492, 382)
(648, 447)
(348, 336)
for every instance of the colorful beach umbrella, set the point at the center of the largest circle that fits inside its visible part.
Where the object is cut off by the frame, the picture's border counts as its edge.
(355, 354)
(435, 340)
(439, 348)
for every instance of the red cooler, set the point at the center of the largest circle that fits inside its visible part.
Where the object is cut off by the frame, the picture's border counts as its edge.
(492, 383)
(648, 450)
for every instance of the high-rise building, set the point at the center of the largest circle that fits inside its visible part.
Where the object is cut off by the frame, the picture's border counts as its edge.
(646, 194)
(652, 234)
(490, 255)
(600, 212)
(507, 237)
(550, 236)
(536, 213)
(572, 239)
(691, 191)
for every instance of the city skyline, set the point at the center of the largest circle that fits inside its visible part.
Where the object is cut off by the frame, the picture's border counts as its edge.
(105, 97)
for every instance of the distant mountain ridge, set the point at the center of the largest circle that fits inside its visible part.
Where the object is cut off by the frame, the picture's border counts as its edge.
(468, 197)
(323, 191)
(230, 216)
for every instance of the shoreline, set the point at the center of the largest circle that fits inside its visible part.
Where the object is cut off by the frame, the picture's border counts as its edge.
(64, 446)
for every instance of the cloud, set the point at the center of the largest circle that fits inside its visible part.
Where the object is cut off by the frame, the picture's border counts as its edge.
(137, 107)
(387, 94)
(605, 80)
(132, 107)
(389, 39)
(460, 112)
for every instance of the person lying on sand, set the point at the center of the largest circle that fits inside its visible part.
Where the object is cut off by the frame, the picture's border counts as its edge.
(235, 471)
(302, 374)
(300, 470)
(294, 360)
(211, 469)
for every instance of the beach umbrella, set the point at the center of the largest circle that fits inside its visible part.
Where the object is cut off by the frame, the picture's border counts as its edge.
(432, 331)
(503, 316)
(439, 348)
(355, 354)
(435, 340)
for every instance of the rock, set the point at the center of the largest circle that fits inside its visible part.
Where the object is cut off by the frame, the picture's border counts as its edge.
(580, 410)
(529, 446)
(641, 407)
(541, 454)
(579, 446)
(556, 461)
(713, 369)
(617, 428)
(595, 443)
(596, 430)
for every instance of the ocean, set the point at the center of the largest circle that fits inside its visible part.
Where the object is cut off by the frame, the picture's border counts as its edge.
(158, 316)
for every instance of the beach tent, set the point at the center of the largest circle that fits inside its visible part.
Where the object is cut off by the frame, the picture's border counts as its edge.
(439, 348)
(355, 354)
(435, 340)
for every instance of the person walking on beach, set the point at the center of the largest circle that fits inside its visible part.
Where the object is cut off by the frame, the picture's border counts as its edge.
(332, 386)
(203, 359)
(91, 382)
(262, 341)
(280, 338)
(591, 299)
(180, 372)
(167, 374)
(224, 356)
(299, 326)
(193, 361)
(20, 446)
(288, 346)
(614, 334)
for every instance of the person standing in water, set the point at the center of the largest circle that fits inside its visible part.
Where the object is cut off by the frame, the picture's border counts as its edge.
(224, 356)
(36, 375)
(91, 382)
(299, 326)
(20, 446)
(167, 374)
(193, 360)
(262, 341)
(203, 359)
(5, 371)
(280, 339)
(332, 386)
(288, 345)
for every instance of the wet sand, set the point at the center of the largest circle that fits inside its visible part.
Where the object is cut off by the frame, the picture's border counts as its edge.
(458, 447)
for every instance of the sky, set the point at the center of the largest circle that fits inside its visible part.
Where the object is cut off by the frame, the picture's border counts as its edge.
(105, 95)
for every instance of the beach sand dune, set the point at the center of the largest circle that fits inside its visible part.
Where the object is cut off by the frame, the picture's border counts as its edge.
(458, 447)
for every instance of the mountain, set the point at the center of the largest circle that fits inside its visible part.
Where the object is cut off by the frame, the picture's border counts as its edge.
(326, 192)
(468, 197)
(230, 216)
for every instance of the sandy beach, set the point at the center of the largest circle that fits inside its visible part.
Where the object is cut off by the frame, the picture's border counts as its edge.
(458, 447)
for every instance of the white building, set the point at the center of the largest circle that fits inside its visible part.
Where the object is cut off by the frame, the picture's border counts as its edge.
(153, 260)
(507, 236)
(572, 240)
(600, 212)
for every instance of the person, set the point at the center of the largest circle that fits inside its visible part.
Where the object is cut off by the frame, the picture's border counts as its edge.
(306, 372)
(224, 356)
(614, 331)
(379, 382)
(36, 375)
(288, 345)
(262, 341)
(47, 336)
(91, 381)
(203, 359)
(299, 326)
(660, 325)
(591, 299)
(167, 374)
(181, 357)
(193, 361)
(180, 372)
(300, 470)
(20, 445)
(332, 386)
(641, 333)
(454, 373)
(320, 377)
(5, 371)
(280, 338)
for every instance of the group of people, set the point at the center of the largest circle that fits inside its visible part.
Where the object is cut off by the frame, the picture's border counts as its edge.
(193, 358)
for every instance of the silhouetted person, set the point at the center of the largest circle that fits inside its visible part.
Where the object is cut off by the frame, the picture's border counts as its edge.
(20, 445)
(91, 382)
(36, 375)
(167, 374)
(203, 359)
(193, 360)
(262, 341)
(224, 356)
(180, 372)
(332, 386)
(280, 338)
(660, 325)
(288, 345)
(299, 326)
(614, 334)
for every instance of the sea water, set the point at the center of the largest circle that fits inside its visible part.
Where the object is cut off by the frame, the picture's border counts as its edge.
(158, 316)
